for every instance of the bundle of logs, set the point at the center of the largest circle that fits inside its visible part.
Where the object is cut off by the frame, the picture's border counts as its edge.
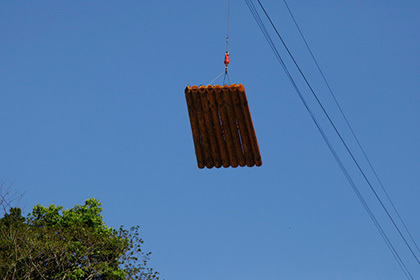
(222, 127)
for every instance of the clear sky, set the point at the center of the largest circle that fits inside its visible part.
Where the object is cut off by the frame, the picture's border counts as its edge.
(92, 105)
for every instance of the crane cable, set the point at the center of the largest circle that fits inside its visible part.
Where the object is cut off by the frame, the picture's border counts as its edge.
(227, 32)
(226, 61)
(341, 165)
(351, 129)
(341, 138)
(227, 46)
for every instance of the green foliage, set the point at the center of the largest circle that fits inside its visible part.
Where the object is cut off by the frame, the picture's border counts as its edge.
(52, 243)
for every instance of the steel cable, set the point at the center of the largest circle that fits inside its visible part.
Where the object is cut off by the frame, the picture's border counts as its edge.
(350, 128)
(338, 160)
(341, 138)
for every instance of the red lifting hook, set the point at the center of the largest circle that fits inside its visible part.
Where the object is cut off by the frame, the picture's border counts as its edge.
(227, 59)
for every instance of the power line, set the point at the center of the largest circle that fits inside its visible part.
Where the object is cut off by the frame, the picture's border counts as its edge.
(341, 138)
(341, 165)
(350, 127)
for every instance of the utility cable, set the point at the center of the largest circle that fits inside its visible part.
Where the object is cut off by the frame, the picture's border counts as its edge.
(339, 135)
(341, 165)
(350, 127)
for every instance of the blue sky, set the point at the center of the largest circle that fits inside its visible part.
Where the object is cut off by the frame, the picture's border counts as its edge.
(92, 105)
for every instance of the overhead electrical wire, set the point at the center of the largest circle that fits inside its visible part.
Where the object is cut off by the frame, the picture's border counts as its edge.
(340, 136)
(350, 127)
(341, 165)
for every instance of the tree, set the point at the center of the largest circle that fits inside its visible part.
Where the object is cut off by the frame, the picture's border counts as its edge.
(8, 197)
(52, 243)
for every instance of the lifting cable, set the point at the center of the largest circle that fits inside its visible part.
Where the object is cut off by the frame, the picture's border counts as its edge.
(227, 46)
(341, 165)
(339, 135)
(351, 129)
(226, 61)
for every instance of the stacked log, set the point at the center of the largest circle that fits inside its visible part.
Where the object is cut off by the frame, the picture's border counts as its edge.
(222, 128)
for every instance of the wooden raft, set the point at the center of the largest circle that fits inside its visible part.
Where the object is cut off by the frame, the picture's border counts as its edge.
(222, 127)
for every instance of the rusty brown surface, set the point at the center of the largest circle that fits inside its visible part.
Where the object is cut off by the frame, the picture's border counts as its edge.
(243, 130)
(225, 126)
(217, 127)
(227, 97)
(202, 128)
(222, 127)
(203, 93)
(250, 126)
(194, 127)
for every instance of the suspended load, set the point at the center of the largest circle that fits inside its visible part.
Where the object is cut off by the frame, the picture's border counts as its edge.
(222, 127)
(221, 123)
